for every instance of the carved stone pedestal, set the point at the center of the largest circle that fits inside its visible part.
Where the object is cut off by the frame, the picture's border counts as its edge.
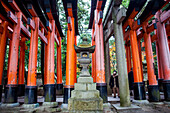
(85, 97)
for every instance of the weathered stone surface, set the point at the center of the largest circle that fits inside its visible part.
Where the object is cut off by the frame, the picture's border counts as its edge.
(80, 86)
(91, 86)
(50, 104)
(10, 105)
(80, 111)
(119, 108)
(85, 94)
(85, 80)
(28, 106)
(85, 86)
(85, 104)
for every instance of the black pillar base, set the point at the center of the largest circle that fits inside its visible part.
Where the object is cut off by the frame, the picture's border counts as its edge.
(11, 94)
(59, 89)
(1, 86)
(139, 91)
(21, 89)
(50, 93)
(59, 86)
(153, 93)
(166, 86)
(30, 95)
(160, 84)
(67, 93)
(102, 87)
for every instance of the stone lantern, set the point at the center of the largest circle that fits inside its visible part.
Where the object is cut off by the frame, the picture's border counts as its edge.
(85, 97)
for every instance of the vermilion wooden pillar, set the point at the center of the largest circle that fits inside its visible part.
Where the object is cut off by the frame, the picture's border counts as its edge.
(153, 89)
(165, 55)
(59, 67)
(100, 68)
(70, 62)
(75, 69)
(3, 39)
(49, 84)
(93, 59)
(11, 89)
(31, 88)
(139, 91)
(128, 58)
(160, 70)
(140, 57)
(21, 75)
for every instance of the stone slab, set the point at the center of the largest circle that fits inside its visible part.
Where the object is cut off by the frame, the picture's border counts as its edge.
(91, 86)
(85, 104)
(80, 111)
(64, 106)
(119, 108)
(167, 102)
(80, 86)
(85, 86)
(85, 94)
(85, 80)
(28, 106)
(140, 101)
(156, 103)
(50, 104)
(10, 105)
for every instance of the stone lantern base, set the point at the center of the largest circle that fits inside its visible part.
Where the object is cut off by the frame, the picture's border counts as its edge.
(85, 97)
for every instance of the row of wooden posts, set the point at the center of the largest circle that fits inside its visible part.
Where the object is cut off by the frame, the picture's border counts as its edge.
(131, 32)
(16, 28)
(134, 35)
(19, 34)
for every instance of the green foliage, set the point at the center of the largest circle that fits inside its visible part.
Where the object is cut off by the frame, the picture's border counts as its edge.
(125, 3)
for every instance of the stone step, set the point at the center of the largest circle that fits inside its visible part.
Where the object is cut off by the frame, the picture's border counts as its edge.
(85, 94)
(85, 104)
(85, 80)
(85, 86)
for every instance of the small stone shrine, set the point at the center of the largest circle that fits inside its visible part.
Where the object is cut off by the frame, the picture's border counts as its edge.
(85, 97)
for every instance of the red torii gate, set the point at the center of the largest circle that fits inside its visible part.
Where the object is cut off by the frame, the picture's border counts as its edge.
(34, 24)
(98, 68)
(72, 30)
(153, 85)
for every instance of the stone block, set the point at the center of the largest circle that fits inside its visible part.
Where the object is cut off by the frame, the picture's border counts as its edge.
(30, 106)
(85, 80)
(50, 104)
(80, 86)
(85, 104)
(91, 86)
(119, 108)
(85, 86)
(10, 105)
(85, 94)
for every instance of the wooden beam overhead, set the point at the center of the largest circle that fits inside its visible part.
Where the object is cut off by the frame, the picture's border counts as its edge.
(31, 10)
(165, 16)
(49, 26)
(31, 23)
(151, 28)
(136, 24)
(49, 14)
(25, 30)
(12, 17)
